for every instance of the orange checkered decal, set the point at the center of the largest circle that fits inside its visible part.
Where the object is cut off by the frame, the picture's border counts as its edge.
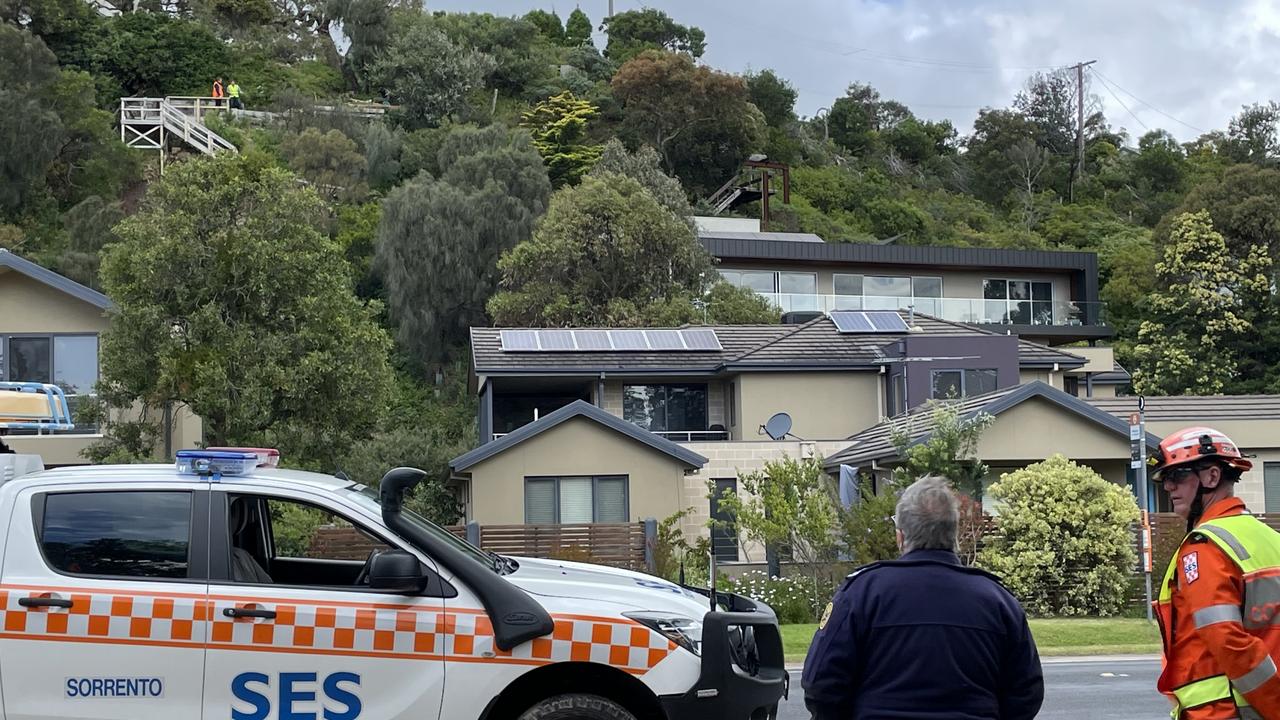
(404, 632)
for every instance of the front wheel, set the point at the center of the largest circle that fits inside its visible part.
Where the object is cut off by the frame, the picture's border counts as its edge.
(577, 707)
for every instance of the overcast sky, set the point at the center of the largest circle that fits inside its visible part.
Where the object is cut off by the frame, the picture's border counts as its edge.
(1181, 65)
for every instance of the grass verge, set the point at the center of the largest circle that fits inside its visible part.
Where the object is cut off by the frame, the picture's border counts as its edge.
(1056, 636)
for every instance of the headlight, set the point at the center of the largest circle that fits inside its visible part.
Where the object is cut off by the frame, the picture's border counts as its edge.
(683, 631)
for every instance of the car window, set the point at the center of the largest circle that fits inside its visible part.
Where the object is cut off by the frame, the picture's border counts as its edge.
(144, 534)
(301, 530)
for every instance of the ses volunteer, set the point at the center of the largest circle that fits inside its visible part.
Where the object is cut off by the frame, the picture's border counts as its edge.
(141, 591)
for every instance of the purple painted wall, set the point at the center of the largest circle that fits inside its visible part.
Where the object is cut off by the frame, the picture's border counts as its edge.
(968, 352)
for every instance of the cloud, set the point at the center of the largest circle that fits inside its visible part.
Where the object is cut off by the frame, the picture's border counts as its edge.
(1198, 62)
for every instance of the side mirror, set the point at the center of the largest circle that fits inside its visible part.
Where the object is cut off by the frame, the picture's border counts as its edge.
(397, 571)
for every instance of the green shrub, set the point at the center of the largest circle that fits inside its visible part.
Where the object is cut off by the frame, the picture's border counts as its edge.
(1065, 545)
(794, 599)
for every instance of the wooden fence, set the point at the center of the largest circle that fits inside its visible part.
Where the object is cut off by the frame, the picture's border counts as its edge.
(624, 545)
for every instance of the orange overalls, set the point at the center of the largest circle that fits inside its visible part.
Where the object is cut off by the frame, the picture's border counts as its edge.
(1219, 613)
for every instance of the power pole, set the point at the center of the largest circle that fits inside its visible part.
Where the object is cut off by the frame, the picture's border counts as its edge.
(1079, 173)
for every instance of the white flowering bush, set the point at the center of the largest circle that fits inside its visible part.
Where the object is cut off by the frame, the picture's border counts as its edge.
(1065, 545)
(794, 599)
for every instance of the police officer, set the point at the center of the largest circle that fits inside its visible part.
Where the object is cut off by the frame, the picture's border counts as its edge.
(923, 636)
(1220, 595)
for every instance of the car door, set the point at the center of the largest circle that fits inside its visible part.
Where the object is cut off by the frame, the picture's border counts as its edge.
(293, 636)
(104, 602)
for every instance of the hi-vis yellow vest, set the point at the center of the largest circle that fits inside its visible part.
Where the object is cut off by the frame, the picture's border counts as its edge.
(1252, 546)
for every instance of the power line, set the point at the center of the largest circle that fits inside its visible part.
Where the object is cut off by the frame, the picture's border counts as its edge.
(1144, 102)
(1117, 97)
(939, 63)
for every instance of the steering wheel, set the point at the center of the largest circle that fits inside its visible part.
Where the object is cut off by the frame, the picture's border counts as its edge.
(363, 577)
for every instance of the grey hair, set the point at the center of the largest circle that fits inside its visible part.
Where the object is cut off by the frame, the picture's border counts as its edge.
(928, 515)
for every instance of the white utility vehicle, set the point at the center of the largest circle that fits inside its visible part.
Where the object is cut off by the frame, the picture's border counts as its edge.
(183, 591)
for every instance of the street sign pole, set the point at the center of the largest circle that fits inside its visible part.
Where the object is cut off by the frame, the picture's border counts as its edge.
(1138, 461)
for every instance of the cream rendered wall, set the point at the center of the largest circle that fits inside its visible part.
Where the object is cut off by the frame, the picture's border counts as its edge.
(823, 406)
(30, 306)
(1053, 379)
(576, 447)
(1037, 428)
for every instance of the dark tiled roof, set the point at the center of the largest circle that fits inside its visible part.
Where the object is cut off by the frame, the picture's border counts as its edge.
(1116, 376)
(54, 280)
(578, 408)
(815, 344)
(1195, 408)
(876, 443)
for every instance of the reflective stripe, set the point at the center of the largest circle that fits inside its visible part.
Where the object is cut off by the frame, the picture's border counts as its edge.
(1226, 537)
(1217, 614)
(1202, 692)
(1254, 679)
(1261, 602)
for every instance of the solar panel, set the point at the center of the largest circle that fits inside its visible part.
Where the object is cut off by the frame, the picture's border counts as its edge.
(664, 339)
(629, 340)
(557, 340)
(886, 321)
(593, 339)
(701, 339)
(519, 340)
(862, 321)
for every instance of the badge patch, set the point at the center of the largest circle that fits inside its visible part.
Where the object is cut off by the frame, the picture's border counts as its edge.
(1191, 567)
(826, 615)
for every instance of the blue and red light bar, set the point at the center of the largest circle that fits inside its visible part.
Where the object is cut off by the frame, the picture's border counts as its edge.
(226, 461)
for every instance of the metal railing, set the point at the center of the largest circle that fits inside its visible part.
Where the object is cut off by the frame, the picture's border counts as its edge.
(692, 435)
(966, 310)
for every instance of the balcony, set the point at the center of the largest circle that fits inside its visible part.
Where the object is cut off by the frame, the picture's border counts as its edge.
(975, 311)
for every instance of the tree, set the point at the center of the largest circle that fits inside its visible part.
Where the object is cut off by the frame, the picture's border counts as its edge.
(854, 119)
(1200, 313)
(949, 452)
(701, 121)
(577, 29)
(249, 321)
(440, 238)
(775, 97)
(153, 55)
(559, 129)
(548, 23)
(635, 31)
(605, 254)
(329, 161)
(1252, 135)
(524, 62)
(30, 131)
(425, 73)
(787, 504)
(1064, 546)
(645, 167)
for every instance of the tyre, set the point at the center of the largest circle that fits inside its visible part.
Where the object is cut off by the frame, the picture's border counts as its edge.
(577, 707)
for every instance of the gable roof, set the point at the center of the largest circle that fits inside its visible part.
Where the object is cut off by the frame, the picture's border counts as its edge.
(54, 280)
(812, 345)
(583, 409)
(876, 443)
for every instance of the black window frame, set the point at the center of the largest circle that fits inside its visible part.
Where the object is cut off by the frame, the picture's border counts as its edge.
(6, 364)
(197, 544)
(706, 406)
(964, 381)
(595, 505)
(724, 556)
(1010, 303)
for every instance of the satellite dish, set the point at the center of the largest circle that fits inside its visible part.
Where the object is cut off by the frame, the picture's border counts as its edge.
(778, 426)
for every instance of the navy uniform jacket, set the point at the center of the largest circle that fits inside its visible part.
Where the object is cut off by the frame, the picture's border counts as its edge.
(923, 637)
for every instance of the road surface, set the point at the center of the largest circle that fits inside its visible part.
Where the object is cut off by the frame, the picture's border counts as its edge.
(1121, 689)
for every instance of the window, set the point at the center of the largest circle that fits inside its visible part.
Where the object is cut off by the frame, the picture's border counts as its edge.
(733, 406)
(761, 281)
(847, 284)
(724, 532)
(584, 499)
(798, 283)
(301, 530)
(68, 361)
(133, 534)
(962, 383)
(882, 292)
(1271, 486)
(1018, 302)
(666, 408)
